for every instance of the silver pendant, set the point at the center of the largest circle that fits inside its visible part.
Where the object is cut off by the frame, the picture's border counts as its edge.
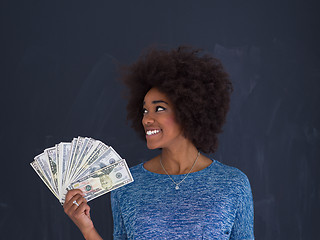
(177, 187)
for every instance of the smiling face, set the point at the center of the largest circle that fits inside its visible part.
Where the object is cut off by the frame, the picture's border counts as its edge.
(159, 122)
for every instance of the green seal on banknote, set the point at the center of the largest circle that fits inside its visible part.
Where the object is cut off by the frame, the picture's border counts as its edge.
(118, 175)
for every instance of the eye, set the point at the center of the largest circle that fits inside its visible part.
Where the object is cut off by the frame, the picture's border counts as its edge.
(144, 111)
(159, 109)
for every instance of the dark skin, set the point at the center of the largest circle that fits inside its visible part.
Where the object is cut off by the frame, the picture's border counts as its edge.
(80, 215)
(178, 155)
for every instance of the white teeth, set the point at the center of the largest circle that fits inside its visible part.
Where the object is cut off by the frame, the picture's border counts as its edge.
(149, 132)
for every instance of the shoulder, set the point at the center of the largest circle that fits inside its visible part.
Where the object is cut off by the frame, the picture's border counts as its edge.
(136, 168)
(228, 171)
(138, 173)
(231, 176)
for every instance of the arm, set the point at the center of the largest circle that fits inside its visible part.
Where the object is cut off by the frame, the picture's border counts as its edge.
(243, 224)
(80, 215)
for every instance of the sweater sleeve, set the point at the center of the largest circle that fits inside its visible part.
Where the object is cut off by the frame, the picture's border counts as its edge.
(243, 224)
(119, 231)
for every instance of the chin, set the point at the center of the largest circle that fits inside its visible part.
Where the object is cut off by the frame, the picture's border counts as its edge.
(153, 146)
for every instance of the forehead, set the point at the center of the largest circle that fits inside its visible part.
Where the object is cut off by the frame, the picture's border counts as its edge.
(155, 95)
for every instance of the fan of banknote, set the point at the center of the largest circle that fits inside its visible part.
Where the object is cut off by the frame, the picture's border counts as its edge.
(84, 163)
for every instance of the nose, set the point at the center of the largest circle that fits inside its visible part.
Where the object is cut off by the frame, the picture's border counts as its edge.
(147, 119)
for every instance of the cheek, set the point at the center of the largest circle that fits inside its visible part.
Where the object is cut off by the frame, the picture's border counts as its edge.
(170, 120)
(172, 124)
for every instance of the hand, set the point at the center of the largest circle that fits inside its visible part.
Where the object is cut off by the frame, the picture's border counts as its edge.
(80, 215)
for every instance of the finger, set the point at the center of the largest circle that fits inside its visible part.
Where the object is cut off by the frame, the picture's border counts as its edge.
(78, 201)
(71, 193)
(68, 205)
(87, 212)
(83, 208)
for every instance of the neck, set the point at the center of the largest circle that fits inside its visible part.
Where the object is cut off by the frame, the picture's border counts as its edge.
(179, 160)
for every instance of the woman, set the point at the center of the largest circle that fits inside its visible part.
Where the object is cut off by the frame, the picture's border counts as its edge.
(181, 97)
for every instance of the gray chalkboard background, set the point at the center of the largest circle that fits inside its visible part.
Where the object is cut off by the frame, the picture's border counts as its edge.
(59, 80)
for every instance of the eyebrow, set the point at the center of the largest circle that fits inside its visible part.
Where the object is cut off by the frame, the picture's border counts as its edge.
(156, 101)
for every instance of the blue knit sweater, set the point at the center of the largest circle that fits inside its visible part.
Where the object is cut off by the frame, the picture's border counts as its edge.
(214, 203)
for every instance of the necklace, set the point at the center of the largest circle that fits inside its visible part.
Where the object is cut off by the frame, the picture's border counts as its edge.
(177, 184)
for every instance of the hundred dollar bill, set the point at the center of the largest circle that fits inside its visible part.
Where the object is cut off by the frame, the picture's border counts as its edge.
(36, 168)
(44, 166)
(86, 162)
(77, 150)
(64, 154)
(93, 148)
(91, 144)
(99, 151)
(72, 151)
(52, 157)
(104, 180)
(84, 142)
(93, 155)
(108, 157)
(58, 167)
(87, 145)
